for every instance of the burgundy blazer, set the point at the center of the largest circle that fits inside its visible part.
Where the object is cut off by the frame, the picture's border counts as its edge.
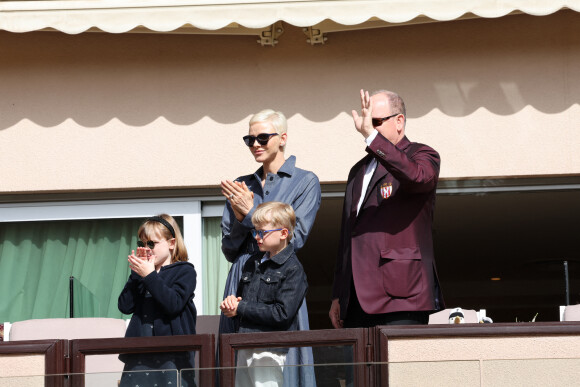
(388, 248)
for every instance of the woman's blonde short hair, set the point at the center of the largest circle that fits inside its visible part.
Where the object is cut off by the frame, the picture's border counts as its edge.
(152, 227)
(278, 214)
(277, 119)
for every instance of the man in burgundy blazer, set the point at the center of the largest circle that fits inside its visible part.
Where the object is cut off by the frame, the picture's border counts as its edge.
(385, 269)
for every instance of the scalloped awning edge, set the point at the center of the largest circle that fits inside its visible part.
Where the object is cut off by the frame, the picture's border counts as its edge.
(77, 16)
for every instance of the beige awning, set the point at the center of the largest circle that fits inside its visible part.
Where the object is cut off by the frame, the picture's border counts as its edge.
(228, 16)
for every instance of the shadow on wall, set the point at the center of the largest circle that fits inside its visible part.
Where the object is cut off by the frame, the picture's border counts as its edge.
(501, 65)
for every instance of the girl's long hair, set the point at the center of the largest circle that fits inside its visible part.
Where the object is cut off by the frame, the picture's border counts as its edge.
(151, 227)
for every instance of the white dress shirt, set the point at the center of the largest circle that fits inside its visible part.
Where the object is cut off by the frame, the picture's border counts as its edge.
(369, 171)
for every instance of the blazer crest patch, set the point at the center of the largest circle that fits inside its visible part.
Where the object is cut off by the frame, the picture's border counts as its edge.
(386, 190)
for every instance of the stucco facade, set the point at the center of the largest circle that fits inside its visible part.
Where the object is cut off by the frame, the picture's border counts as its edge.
(97, 112)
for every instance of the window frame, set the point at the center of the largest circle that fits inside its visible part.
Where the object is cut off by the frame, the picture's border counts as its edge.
(188, 208)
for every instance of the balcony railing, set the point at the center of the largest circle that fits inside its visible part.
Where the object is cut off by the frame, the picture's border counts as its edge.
(468, 355)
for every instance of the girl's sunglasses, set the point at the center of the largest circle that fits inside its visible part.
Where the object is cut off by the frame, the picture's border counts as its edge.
(262, 138)
(149, 244)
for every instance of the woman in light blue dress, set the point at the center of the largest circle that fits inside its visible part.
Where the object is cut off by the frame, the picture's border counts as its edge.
(278, 179)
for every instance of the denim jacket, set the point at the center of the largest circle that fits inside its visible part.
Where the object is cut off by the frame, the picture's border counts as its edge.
(271, 292)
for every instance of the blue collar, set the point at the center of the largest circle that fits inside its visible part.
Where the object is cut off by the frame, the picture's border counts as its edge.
(287, 168)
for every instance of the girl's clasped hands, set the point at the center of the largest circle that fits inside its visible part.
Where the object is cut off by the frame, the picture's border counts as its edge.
(142, 263)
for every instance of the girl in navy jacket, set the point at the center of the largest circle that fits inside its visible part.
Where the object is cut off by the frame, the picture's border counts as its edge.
(159, 294)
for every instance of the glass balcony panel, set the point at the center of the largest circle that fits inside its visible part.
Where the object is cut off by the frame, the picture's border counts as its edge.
(155, 368)
(515, 372)
(22, 381)
(327, 375)
(464, 373)
(531, 372)
(143, 378)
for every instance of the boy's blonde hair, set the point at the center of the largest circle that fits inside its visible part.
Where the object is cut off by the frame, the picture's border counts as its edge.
(277, 214)
(151, 227)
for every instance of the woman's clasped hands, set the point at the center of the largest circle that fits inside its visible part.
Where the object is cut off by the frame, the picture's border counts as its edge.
(142, 263)
(240, 197)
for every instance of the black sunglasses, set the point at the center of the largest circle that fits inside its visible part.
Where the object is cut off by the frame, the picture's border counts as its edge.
(149, 244)
(262, 138)
(379, 121)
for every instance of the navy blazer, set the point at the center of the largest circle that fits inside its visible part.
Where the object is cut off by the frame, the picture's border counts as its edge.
(387, 250)
(173, 311)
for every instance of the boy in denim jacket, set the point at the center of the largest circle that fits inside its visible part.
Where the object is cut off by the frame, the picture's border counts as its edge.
(270, 292)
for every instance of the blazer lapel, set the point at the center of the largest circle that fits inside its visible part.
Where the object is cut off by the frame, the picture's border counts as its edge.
(380, 173)
(356, 189)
